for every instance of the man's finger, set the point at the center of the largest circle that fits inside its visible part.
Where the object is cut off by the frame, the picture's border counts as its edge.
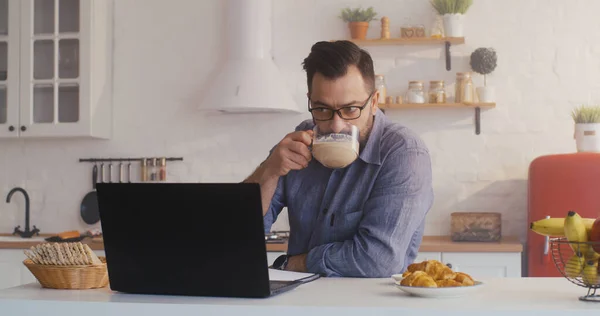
(302, 136)
(301, 149)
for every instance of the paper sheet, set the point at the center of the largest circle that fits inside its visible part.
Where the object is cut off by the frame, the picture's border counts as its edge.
(280, 275)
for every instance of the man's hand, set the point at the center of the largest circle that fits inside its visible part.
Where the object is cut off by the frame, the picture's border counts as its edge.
(291, 153)
(297, 263)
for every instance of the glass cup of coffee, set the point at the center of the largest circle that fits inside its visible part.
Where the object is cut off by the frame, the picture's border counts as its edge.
(335, 149)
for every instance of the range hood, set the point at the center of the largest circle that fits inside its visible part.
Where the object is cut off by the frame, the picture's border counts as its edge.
(248, 81)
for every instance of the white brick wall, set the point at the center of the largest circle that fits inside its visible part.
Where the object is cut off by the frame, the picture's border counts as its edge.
(165, 52)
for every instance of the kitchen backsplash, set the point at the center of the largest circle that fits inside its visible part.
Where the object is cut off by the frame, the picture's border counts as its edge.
(160, 69)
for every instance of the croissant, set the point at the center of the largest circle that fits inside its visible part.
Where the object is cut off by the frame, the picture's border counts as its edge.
(417, 266)
(436, 269)
(448, 283)
(418, 278)
(464, 278)
(439, 271)
(432, 273)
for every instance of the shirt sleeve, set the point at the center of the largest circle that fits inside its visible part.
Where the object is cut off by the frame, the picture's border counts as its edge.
(394, 212)
(277, 204)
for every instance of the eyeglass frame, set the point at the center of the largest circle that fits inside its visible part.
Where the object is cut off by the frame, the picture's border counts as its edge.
(338, 111)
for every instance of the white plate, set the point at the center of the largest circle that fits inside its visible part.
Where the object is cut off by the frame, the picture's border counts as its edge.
(439, 292)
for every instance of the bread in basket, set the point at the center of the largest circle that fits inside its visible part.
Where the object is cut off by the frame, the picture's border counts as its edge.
(66, 266)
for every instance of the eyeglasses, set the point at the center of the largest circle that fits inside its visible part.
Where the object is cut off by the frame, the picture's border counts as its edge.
(347, 112)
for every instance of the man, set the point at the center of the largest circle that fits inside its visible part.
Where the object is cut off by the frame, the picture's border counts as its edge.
(364, 220)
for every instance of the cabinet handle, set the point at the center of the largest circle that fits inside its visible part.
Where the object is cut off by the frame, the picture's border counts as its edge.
(449, 265)
(11, 128)
(23, 128)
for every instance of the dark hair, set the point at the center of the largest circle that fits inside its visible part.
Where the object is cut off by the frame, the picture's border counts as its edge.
(332, 59)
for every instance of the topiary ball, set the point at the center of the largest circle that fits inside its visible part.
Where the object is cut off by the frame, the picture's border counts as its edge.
(484, 60)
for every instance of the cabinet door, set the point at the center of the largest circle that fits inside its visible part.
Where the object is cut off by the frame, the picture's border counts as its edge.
(9, 67)
(272, 256)
(54, 51)
(482, 265)
(424, 256)
(12, 271)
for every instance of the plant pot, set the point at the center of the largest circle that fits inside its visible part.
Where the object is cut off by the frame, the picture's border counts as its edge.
(358, 30)
(486, 94)
(453, 24)
(587, 137)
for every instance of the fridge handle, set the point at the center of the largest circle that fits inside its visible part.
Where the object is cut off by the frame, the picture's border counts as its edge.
(546, 243)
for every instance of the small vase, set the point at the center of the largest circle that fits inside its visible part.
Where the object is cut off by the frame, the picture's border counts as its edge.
(453, 24)
(486, 94)
(587, 137)
(358, 30)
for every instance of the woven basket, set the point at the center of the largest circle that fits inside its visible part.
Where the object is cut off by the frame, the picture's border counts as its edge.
(69, 277)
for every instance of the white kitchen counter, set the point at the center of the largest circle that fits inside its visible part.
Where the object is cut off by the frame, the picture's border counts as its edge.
(501, 296)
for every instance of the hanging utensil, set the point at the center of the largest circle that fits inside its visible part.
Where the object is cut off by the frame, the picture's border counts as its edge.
(121, 172)
(129, 172)
(110, 172)
(101, 179)
(89, 205)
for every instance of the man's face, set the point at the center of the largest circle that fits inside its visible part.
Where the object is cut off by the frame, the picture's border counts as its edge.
(348, 90)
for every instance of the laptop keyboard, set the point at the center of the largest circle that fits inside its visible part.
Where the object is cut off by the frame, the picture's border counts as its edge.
(277, 285)
(282, 286)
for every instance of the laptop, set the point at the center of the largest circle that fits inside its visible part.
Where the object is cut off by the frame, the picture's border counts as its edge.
(193, 239)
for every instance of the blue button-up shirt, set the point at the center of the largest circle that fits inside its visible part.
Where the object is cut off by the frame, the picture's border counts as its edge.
(365, 220)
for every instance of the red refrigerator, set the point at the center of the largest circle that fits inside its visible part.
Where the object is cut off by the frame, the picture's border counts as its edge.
(557, 184)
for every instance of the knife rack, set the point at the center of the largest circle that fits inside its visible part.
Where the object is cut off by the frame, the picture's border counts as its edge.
(126, 159)
(147, 173)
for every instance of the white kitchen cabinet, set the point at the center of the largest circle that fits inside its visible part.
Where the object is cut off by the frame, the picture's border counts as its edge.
(272, 256)
(57, 59)
(423, 256)
(483, 265)
(12, 270)
(480, 265)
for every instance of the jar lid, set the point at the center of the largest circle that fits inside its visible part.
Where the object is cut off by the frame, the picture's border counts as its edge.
(415, 82)
(379, 76)
(436, 82)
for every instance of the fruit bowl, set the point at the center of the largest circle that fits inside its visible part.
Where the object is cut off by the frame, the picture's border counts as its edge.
(578, 262)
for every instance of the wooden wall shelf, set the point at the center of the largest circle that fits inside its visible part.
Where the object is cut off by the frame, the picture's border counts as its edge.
(447, 41)
(476, 106)
(435, 105)
(409, 41)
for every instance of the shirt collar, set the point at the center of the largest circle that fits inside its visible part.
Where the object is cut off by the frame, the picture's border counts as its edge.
(371, 152)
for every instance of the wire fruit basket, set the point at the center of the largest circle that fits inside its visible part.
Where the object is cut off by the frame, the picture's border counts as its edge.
(578, 262)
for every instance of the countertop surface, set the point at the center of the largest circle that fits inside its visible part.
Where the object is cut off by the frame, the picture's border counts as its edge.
(325, 296)
(429, 244)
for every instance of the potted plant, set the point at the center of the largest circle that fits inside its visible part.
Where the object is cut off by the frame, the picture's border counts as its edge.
(587, 128)
(452, 11)
(484, 61)
(358, 21)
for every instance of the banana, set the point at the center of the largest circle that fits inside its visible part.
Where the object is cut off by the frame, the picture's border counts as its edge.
(589, 274)
(591, 254)
(574, 266)
(555, 226)
(576, 233)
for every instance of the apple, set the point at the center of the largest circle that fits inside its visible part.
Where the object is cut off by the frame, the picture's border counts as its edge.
(595, 235)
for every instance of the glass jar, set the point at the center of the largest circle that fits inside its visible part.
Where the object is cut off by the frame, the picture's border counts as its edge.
(415, 93)
(419, 30)
(437, 93)
(380, 86)
(464, 92)
(437, 29)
